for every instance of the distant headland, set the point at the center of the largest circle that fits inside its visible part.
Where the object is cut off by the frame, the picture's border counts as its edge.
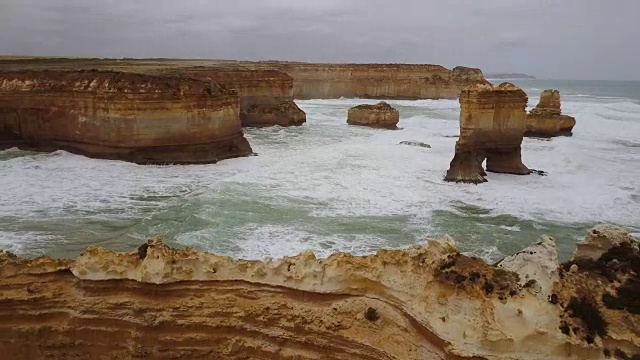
(508, 76)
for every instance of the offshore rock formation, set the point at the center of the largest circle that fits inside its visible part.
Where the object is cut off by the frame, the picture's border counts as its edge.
(415, 143)
(492, 123)
(375, 81)
(546, 120)
(381, 115)
(112, 115)
(425, 302)
(266, 96)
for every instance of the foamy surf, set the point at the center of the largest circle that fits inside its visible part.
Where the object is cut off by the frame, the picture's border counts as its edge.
(330, 187)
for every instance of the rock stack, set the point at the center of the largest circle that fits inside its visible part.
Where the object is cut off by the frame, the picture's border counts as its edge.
(492, 124)
(546, 119)
(381, 115)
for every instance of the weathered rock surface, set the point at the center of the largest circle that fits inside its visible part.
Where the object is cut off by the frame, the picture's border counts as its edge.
(112, 115)
(266, 96)
(380, 115)
(492, 124)
(424, 302)
(546, 120)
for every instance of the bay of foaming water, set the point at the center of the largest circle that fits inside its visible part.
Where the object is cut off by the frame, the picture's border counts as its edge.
(330, 187)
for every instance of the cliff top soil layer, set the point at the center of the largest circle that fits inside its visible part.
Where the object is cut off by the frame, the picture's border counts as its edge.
(106, 81)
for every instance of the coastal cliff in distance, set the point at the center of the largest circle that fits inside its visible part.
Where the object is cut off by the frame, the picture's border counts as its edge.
(115, 115)
(421, 303)
(375, 81)
(310, 80)
(509, 76)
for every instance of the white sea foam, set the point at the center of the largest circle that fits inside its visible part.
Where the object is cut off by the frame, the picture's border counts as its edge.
(326, 169)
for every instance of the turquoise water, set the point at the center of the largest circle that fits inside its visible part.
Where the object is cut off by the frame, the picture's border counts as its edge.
(330, 187)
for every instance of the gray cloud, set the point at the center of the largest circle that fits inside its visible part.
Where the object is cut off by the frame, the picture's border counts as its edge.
(582, 39)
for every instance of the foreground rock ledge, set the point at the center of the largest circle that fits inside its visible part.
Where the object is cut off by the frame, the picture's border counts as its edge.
(425, 302)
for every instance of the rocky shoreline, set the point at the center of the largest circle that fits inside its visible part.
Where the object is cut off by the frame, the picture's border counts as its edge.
(425, 302)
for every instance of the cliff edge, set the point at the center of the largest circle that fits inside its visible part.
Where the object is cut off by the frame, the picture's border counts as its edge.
(424, 302)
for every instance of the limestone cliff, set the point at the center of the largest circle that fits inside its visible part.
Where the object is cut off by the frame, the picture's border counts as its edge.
(425, 302)
(375, 81)
(546, 120)
(381, 115)
(492, 124)
(141, 118)
(310, 80)
(266, 96)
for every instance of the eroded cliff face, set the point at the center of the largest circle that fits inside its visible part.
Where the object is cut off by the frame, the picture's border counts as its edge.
(424, 302)
(375, 81)
(492, 124)
(381, 115)
(546, 120)
(133, 117)
(266, 96)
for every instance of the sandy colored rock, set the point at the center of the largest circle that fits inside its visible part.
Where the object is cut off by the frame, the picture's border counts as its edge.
(112, 115)
(546, 120)
(492, 123)
(601, 239)
(286, 113)
(310, 80)
(376, 81)
(266, 96)
(424, 302)
(537, 266)
(380, 115)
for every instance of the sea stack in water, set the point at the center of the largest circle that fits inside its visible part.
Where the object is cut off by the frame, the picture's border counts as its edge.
(546, 120)
(492, 124)
(381, 115)
(141, 118)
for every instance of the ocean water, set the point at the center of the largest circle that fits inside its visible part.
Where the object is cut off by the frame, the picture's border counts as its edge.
(330, 187)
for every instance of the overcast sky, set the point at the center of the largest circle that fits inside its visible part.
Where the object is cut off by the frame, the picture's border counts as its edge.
(569, 39)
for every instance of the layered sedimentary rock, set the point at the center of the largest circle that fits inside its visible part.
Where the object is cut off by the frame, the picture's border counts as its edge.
(141, 118)
(375, 81)
(492, 124)
(546, 120)
(310, 81)
(266, 96)
(380, 115)
(425, 302)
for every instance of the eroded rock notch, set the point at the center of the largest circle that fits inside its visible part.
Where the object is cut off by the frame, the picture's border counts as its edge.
(492, 124)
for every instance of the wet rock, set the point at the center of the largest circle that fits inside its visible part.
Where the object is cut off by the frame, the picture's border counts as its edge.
(415, 143)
